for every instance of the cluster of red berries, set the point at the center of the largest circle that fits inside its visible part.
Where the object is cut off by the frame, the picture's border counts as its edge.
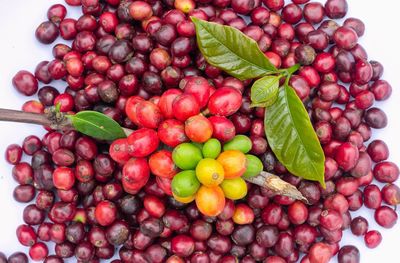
(137, 62)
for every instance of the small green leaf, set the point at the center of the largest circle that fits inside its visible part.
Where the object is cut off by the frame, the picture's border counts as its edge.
(292, 137)
(97, 125)
(58, 107)
(232, 51)
(265, 90)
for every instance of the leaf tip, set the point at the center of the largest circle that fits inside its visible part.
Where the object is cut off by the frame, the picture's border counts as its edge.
(194, 19)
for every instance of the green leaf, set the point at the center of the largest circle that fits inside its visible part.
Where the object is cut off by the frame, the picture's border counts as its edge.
(292, 137)
(232, 51)
(97, 125)
(255, 105)
(291, 70)
(58, 107)
(265, 90)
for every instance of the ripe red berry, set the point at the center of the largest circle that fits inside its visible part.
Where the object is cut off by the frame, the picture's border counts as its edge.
(154, 206)
(105, 212)
(172, 132)
(198, 129)
(119, 151)
(199, 87)
(161, 164)
(185, 106)
(39, 251)
(135, 174)
(63, 178)
(225, 101)
(26, 235)
(142, 142)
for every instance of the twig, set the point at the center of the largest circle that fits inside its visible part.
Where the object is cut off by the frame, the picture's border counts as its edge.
(277, 185)
(24, 117)
(51, 118)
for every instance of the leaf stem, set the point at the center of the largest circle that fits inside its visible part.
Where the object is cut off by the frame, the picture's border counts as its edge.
(293, 69)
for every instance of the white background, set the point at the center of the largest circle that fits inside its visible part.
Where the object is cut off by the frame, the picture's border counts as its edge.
(20, 50)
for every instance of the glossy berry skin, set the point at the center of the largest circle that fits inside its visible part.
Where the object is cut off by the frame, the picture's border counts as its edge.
(142, 142)
(119, 151)
(199, 88)
(198, 129)
(182, 245)
(223, 128)
(24, 193)
(140, 10)
(172, 132)
(385, 216)
(391, 194)
(166, 102)
(131, 106)
(65, 101)
(32, 215)
(105, 213)
(224, 101)
(331, 219)
(39, 251)
(336, 8)
(372, 196)
(372, 238)
(185, 106)
(298, 213)
(62, 212)
(349, 254)
(359, 226)
(320, 252)
(135, 174)
(154, 206)
(63, 178)
(162, 165)
(324, 62)
(386, 172)
(345, 38)
(382, 89)
(26, 235)
(346, 156)
(18, 257)
(148, 115)
(47, 32)
(25, 83)
(13, 154)
(56, 13)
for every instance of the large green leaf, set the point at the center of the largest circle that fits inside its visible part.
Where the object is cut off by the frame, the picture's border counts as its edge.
(265, 90)
(292, 137)
(232, 51)
(97, 125)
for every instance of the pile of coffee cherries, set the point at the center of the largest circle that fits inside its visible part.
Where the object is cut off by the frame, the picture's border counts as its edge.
(125, 53)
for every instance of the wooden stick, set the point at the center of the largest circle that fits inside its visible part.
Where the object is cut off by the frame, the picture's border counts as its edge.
(24, 117)
(277, 185)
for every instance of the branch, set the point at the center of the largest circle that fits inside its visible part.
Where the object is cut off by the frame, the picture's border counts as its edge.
(277, 185)
(51, 118)
(24, 117)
